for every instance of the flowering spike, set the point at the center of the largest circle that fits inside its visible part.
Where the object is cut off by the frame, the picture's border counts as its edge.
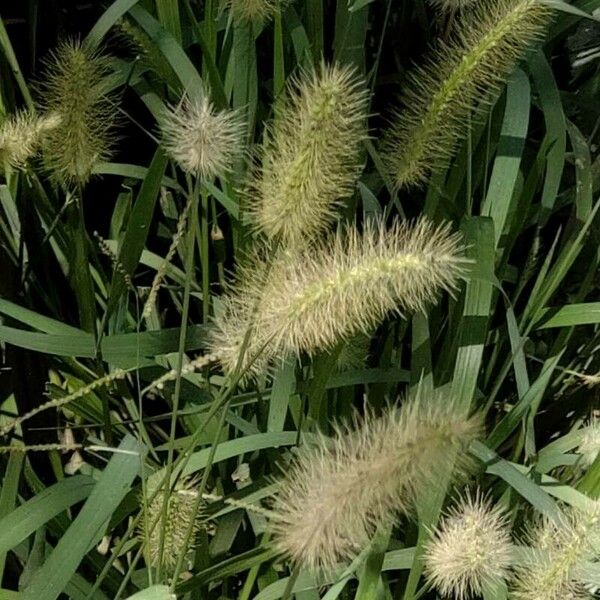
(202, 140)
(453, 5)
(21, 136)
(589, 448)
(440, 95)
(558, 547)
(253, 11)
(310, 300)
(471, 550)
(310, 158)
(180, 513)
(337, 491)
(76, 89)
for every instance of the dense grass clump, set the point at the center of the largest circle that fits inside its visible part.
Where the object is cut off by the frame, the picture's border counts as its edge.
(318, 319)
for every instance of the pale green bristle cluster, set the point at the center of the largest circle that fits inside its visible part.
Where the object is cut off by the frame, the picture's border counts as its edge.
(460, 75)
(172, 530)
(147, 53)
(589, 448)
(204, 141)
(76, 87)
(310, 300)
(22, 135)
(253, 11)
(310, 158)
(453, 5)
(471, 551)
(338, 491)
(559, 546)
(353, 353)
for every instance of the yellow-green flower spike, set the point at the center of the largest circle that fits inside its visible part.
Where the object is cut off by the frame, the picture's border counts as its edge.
(310, 158)
(307, 301)
(76, 88)
(180, 513)
(21, 136)
(338, 491)
(471, 550)
(459, 76)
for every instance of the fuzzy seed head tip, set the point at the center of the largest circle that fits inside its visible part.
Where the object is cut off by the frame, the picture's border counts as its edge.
(338, 491)
(77, 88)
(470, 550)
(559, 546)
(460, 76)
(180, 515)
(310, 158)
(589, 448)
(254, 11)
(343, 286)
(202, 140)
(22, 134)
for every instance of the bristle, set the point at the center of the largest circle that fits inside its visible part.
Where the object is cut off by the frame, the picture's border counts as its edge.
(161, 272)
(354, 353)
(233, 335)
(337, 491)
(254, 11)
(589, 448)
(21, 136)
(453, 5)
(201, 139)
(471, 550)
(180, 513)
(310, 158)
(558, 547)
(310, 301)
(459, 76)
(77, 88)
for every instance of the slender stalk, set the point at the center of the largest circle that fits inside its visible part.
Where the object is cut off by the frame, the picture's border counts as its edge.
(289, 588)
(189, 270)
(253, 574)
(200, 492)
(205, 257)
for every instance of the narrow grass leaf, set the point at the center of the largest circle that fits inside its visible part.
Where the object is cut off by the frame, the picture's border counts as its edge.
(87, 528)
(33, 514)
(138, 226)
(190, 79)
(156, 592)
(555, 140)
(510, 149)
(107, 21)
(535, 495)
(473, 328)
(9, 493)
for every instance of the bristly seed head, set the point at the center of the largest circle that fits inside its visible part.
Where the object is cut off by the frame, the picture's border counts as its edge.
(558, 548)
(590, 443)
(471, 550)
(311, 300)
(310, 158)
(453, 5)
(180, 514)
(204, 141)
(77, 88)
(338, 491)
(254, 11)
(460, 76)
(22, 134)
